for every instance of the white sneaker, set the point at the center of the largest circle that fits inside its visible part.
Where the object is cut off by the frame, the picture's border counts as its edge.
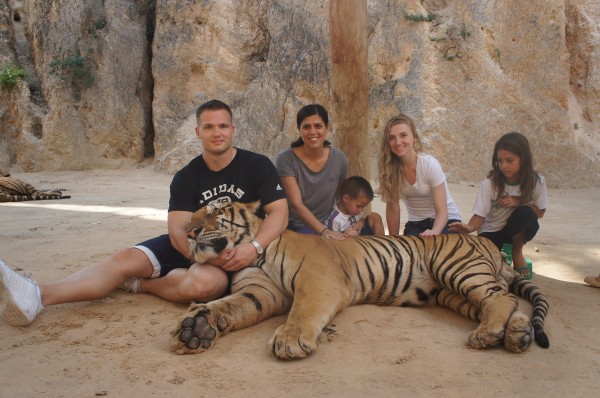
(21, 301)
(131, 285)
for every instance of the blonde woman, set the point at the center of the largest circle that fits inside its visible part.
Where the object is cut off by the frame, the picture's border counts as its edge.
(415, 177)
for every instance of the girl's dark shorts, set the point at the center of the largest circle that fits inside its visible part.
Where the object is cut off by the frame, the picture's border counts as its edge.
(522, 219)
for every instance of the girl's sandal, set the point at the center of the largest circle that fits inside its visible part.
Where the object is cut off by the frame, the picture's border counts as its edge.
(525, 271)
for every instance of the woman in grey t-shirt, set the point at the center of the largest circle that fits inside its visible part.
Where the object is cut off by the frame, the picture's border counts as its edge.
(311, 171)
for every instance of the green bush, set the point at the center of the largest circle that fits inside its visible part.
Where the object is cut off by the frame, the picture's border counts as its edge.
(427, 17)
(99, 24)
(464, 32)
(10, 75)
(75, 70)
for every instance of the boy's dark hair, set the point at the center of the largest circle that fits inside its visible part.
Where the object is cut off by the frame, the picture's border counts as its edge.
(356, 185)
(213, 105)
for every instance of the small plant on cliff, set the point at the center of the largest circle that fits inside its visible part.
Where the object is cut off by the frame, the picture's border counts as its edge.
(464, 32)
(453, 43)
(10, 76)
(75, 70)
(99, 24)
(426, 17)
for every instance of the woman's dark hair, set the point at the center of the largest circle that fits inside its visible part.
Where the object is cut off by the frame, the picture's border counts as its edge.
(311, 110)
(517, 144)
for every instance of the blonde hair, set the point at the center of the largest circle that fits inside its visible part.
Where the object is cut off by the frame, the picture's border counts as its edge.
(391, 169)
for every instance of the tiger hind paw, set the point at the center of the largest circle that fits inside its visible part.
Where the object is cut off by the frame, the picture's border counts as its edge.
(519, 333)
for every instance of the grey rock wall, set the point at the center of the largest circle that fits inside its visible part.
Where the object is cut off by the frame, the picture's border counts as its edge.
(62, 123)
(476, 71)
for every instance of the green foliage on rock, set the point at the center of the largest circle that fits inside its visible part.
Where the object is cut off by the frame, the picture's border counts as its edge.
(426, 17)
(75, 70)
(10, 76)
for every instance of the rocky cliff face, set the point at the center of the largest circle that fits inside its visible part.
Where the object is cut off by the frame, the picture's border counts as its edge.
(115, 81)
(88, 98)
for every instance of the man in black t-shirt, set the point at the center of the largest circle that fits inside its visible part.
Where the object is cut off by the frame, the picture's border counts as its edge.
(222, 173)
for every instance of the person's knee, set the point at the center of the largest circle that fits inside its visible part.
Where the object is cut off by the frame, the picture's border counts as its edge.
(376, 223)
(206, 283)
(523, 222)
(375, 218)
(130, 262)
(524, 211)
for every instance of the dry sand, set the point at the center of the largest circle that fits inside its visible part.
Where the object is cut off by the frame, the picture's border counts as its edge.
(118, 346)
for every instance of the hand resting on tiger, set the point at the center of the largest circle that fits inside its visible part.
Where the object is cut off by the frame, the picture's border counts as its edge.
(313, 279)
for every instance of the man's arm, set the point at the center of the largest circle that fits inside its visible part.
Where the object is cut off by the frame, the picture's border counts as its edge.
(273, 225)
(177, 223)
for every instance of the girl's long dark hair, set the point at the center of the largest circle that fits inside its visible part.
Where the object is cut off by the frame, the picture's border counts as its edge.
(518, 144)
(311, 110)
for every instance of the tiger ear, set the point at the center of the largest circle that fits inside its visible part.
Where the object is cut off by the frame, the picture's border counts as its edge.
(253, 207)
(208, 209)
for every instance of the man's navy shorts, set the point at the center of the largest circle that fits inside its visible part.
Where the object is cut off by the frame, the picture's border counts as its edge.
(163, 256)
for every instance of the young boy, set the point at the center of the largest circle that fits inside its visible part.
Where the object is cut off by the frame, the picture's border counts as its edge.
(348, 216)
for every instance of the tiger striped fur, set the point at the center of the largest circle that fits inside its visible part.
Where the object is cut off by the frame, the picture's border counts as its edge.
(13, 190)
(315, 278)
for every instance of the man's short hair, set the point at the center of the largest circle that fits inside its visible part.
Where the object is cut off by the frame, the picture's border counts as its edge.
(355, 186)
(213, 105)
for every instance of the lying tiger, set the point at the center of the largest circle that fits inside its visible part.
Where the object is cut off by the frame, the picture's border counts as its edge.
(314, 279)
(13, 190)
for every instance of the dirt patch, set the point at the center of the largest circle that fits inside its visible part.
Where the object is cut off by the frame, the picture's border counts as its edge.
(118, 346)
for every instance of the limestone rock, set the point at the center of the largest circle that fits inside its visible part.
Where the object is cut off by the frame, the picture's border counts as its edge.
(66, 124)
(473, 72)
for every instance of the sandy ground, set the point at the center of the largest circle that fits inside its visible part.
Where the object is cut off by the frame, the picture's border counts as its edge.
(118, 346)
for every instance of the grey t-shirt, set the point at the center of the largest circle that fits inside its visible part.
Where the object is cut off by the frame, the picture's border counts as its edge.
(317, 189)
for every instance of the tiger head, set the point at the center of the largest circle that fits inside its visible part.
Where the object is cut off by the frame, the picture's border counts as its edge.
(221, 226)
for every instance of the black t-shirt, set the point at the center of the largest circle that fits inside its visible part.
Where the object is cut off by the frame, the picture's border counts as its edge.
(248, 178)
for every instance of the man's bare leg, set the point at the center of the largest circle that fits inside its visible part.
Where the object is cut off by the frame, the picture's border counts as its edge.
(99, 280)
(200, 283)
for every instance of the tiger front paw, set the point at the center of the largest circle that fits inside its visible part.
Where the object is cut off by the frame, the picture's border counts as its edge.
(519, 333)
(291, 342)
(198, 331)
